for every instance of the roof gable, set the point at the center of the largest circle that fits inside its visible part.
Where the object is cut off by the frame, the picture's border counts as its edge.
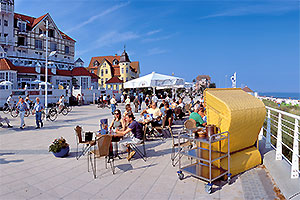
(114, 80)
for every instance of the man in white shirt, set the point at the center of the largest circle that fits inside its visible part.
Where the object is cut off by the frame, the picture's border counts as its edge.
(154, 98)
(127, 101)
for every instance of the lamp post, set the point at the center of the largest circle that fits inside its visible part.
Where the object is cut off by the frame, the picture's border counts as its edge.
(46, 65)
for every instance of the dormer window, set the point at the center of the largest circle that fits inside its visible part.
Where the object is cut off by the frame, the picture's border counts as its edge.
(95, 63)
(51, 33)
(104, 64)
(115, 62)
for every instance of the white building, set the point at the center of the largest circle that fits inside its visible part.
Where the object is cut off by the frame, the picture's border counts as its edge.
(23, 50)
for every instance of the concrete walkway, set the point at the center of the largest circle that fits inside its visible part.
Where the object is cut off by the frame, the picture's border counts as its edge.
(29, 171)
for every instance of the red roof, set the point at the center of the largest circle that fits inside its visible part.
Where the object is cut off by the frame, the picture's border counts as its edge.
(80, 71)
(6, 64)
(94, 76)
(61, 72)
(32, 22)
(114, 80)
(135, 65)
(246, 89)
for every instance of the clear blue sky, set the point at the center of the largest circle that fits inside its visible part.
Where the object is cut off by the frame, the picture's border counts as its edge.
(257, 39)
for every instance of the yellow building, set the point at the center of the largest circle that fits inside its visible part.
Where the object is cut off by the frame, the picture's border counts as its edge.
(107, 67)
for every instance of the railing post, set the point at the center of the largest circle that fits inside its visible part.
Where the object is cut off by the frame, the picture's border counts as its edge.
(261, 133)
(268, 136)
(295, 158)
(279, 139)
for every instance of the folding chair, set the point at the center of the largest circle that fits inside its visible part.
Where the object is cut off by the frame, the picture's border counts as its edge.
(189, 125)
(86, 144)
(143, 155)
(103, 145)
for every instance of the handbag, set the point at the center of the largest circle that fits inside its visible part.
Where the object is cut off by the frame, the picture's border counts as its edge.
(88, 136)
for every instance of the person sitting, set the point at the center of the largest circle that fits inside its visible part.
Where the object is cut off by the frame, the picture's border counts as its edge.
(127, 109)
(135, 138)
(195, 116)
(117, 122)
(6, 121)
(202, 114)
(179, 109)
(173, 104)
(154, 110)
(168, 116)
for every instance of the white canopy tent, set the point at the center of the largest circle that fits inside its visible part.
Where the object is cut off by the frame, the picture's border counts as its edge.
(154, 80)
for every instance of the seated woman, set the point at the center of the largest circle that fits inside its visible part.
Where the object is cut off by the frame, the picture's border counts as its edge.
(117, 122)
(135, 138)
(195, 116)
(202, 114)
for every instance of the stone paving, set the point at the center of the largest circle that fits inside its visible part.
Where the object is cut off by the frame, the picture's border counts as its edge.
(29, 171)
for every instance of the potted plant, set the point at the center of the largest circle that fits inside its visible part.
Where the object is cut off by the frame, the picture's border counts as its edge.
(59, 147)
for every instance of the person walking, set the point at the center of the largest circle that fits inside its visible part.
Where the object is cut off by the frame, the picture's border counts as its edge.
(5, 119)
(37, 109)
(22, 106)
(113, 102)
(127, 101)
(136, 103)
(122, 98)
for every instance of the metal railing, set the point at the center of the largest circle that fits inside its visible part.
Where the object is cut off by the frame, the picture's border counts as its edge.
(281, 131)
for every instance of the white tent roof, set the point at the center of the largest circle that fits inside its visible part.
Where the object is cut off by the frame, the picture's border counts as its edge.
(154, 80)
(6, 83)
(185, 85)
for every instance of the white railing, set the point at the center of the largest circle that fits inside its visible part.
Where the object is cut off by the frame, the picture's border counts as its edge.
(281, 130)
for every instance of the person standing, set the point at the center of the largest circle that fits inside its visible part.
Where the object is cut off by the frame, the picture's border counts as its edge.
(122, 98)
(147, 100)
(9, 101)
(127, 101)
(141, 101)
(113, 102)
(154, 98)
(38, 108)
(22, 109)
(136, 104)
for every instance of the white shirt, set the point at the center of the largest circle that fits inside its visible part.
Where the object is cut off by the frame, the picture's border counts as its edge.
(154, 98)
(8, 99)
(61, 101)
(113, 101)
(127, 101)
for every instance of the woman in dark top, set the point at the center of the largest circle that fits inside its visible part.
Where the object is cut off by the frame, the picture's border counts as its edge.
(137, 134)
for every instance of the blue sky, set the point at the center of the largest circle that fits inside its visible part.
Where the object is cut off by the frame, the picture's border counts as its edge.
(257, 39)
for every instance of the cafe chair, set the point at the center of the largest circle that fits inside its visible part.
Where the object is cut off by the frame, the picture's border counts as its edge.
(189, 125)
(103, 146)
(143, 154)
(86, 143)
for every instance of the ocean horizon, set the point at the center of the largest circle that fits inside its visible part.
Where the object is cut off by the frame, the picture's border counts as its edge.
(284, 95)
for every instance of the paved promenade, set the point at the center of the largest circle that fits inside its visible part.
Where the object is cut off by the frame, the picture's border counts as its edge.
(29, 171)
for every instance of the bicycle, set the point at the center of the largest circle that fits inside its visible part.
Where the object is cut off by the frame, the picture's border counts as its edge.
(29, 111)
(51, 115)
(69, 107)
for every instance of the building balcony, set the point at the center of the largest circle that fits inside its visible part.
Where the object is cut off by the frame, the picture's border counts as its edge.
(22, 32)
(6, 8)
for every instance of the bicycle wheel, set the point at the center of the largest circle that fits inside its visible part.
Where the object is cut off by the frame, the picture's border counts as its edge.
(14, 113)
(5, 110)
(52, 115)
(64, 111)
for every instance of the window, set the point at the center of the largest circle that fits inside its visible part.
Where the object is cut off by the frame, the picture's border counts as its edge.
(40, 31)
(126, 69)
(104, 64)
(106, 71)
(101, 81)
(122, 70)
(2, 76)
(21, 41)
(51, 33)
(22, 26)
(5, 23)
(0, 21)
(101, 72)
(38, 44)
(84, 82)
(106, 79)
(53, 46)
(67, 50)
(115, 62)
(5, 34)
(126, 79)
(96, 63)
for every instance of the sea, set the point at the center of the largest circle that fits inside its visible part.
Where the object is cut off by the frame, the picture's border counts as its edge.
(283, 95)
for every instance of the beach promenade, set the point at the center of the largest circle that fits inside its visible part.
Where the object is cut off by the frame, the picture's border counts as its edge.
(29, 171)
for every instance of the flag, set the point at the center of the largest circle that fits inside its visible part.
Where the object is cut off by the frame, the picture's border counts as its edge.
(233, 80)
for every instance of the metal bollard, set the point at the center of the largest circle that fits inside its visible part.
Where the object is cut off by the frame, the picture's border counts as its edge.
(279, 139)
(295, 158)
(268, 136)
